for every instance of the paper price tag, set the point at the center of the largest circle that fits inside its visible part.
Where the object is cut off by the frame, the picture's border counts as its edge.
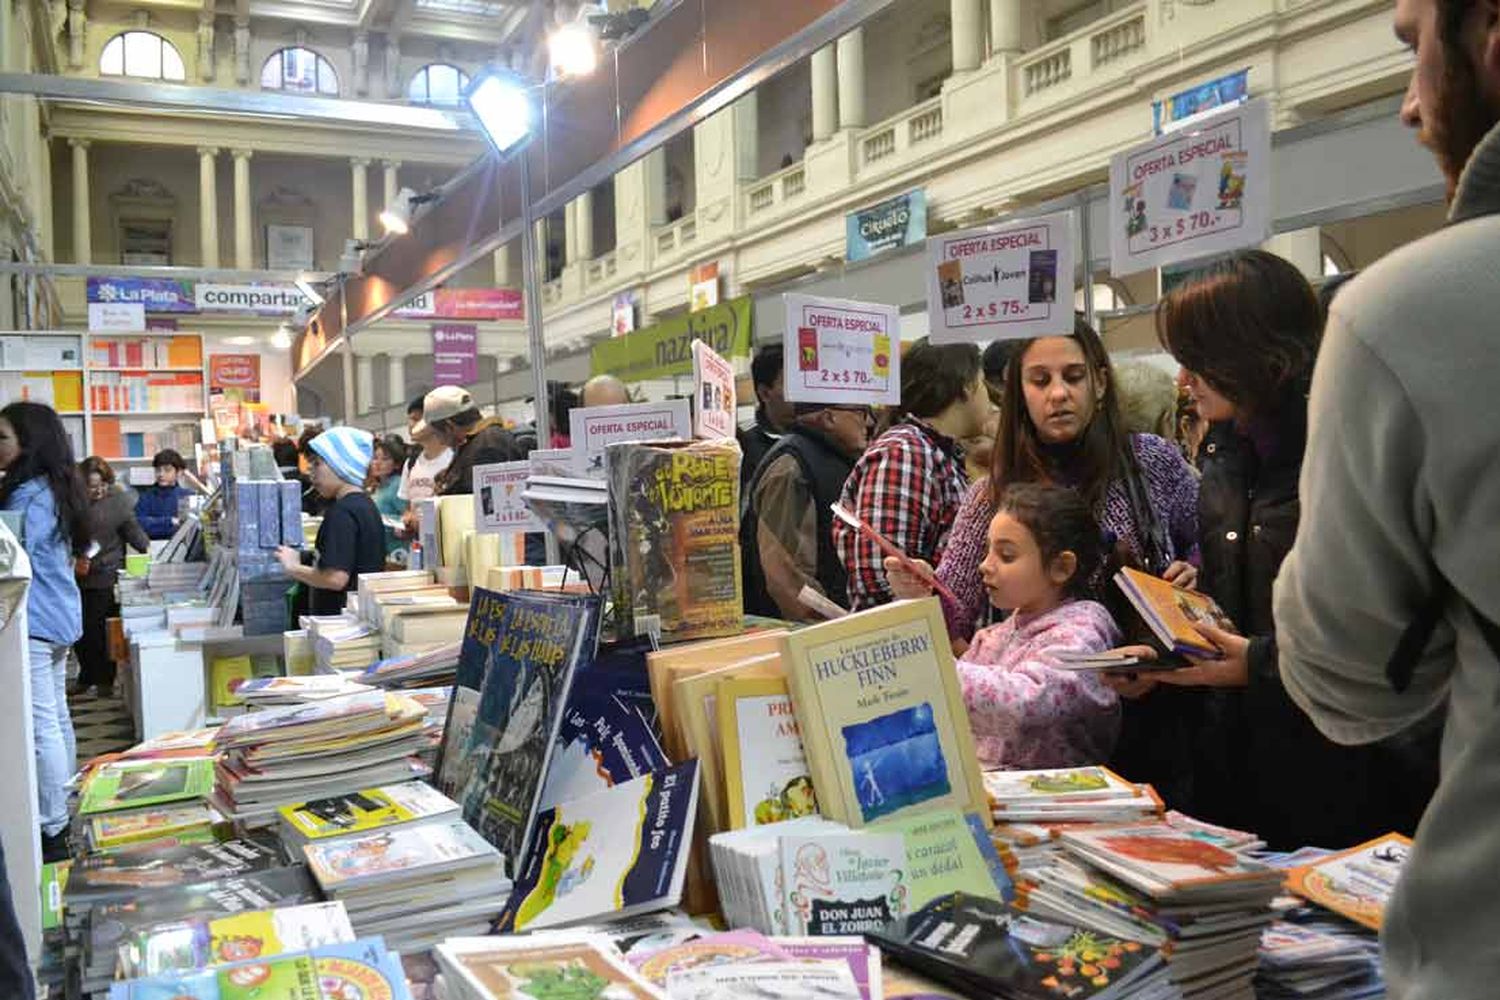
(842, 351)
(498, 507)
(1005, 281)
(713, 393)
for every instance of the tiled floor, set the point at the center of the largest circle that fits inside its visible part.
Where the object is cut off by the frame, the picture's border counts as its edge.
(102, 725)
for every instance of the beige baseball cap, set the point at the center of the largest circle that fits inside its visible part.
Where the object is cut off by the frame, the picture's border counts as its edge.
(419, 430)
(446, 402)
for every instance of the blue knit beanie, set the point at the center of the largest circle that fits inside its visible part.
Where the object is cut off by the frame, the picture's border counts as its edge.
(347, 451)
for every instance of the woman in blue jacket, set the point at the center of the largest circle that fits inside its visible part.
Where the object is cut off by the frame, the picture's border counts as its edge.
(156, 509)
(41, 483)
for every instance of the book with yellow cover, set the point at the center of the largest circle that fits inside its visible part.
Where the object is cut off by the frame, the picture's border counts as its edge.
(664, 667)
(697, 709)
(882, 715)
(228, 673)
(1172, 613)
(362, 812)
(766, 776)
(117, 829)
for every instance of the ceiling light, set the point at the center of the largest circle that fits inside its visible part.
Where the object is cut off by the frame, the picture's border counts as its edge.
(573, 50)
(282, 338)
(239, 341)
(309, 291)
(503, 104)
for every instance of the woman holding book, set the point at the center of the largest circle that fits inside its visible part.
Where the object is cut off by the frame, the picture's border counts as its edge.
(41, 484)
(1246, 333)
(112, 526)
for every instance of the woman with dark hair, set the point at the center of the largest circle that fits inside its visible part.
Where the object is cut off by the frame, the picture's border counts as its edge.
(112, 525)
(909, 483)
(1246, 333)
(42, 485)
(383, 484)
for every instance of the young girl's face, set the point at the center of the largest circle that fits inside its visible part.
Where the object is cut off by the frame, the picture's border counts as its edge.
(10, 444)
(1015, 572)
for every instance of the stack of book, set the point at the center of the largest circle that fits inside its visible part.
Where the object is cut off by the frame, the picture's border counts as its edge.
(286, 755)
(362, 968)
(420, 625)
(434, 666)
(415, 883)
(269, 692)
(1069, 795)
(370, 810)
(342, 643)
(142, 801)
(192, 944)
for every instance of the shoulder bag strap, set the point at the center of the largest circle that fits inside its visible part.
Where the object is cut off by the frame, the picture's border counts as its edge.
(1148, 526)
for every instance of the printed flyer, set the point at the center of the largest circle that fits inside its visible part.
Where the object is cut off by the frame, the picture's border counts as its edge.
(842, 351)
(1007, 281)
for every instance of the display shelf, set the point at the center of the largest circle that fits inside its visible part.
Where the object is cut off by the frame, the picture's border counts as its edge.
(116, 459)
(148, 413)
(146, 369)
(44, 368)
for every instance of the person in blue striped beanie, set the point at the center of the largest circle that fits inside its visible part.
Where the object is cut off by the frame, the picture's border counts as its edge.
(351, 539)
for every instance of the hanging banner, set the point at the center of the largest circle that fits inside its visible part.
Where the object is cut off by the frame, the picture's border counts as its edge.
(703, 287)
(896, 222)
(594, 427)
(666, 349)
(120, 317)
(274, 300)
(1201, 191)
(1005, 281)
(713, 394)
(156, 294)
(498, 507)
(1231, 88)
(622, 313)
(841, 351)
(464, 303)
(234, 371)
(455, 353)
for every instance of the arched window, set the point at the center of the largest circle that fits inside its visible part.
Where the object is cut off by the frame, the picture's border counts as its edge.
(301, 71)
(438, 83)
(141, 54)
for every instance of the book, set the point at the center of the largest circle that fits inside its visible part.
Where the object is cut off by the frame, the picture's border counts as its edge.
(947, 852)
(843, 883)
(696, 699)
(729, 948)
(1091, 794)
(227, 674)
(481, 631)
(747, 871)
(516, 967)
(143, 784)
(828, 980)
(1356, 883)
(429, 625)
(541, 641)
(253, 934)
(366, 811)
(1172, 613)
(330, 972)
(266, 691)
(882, 716)
(122, 874)
(674, 538)
(1168, 863)
(617, 852)
(601, 743)
(861, 958)
(370, 859)
(766, 776)
(665, 666)
(113, 830)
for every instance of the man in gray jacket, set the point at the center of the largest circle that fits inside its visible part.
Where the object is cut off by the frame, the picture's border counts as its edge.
(1384, 607)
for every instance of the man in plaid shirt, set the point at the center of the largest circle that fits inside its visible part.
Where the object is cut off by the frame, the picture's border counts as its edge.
(908, 485)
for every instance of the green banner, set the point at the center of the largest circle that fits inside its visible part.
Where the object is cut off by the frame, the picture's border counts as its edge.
(666, 349)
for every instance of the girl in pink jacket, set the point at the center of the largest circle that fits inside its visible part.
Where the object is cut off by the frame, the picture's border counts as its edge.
(1044, 545)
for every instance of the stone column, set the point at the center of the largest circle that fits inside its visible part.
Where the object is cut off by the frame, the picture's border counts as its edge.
(395, 374)
(1005, 26)
(851, 74)
(539, 228)
(364, 394)
(825, 88)
(83, 240)
(392, 181)
(208, 206)
(242, 50)
(581, 240)
(244, 235)
(361, 199)
(968, 34)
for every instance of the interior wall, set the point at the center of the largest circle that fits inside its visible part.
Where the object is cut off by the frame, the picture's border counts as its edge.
(907, 45)
(784, 118)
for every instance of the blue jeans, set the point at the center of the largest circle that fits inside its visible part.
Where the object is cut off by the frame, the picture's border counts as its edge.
(52, 727)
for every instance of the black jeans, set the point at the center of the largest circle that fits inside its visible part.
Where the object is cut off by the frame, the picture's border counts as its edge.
(92, 649)
(15, 970)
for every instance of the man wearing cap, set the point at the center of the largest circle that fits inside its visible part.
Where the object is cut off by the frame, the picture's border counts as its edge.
(451, 413)
(351, 540)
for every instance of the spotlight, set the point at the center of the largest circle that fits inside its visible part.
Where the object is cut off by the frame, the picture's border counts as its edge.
(282, 338)
(573, 50)
(352, 260)
(503, 105)
(397, 215)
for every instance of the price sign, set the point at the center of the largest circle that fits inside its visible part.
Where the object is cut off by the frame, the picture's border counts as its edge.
(841, 351)
(1203, 190)
(498, 507)
(713, 394)
(1005, 281)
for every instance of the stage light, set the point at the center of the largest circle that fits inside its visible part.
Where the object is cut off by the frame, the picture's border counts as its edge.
(282, 338)
(503, 105)
(573, 50)
(397, 215)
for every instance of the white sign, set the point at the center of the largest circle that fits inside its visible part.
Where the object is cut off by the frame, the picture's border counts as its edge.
(498, 507)
(841, 351)
(117, 317)
(422, 305)
(713, 393)
(594, 427)
(272, 299)
(1005, 281)
(289, 248)
(1203, 190)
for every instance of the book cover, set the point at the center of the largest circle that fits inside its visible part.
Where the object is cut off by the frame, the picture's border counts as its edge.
(843, 883)
(601, 743)
(240, 937)
(362, 969)
(665, 666)
(54, 877)
(882, 716)
(481, 631)
(729, 948)
(368, 810)
(523, 967)
(944, 856)
(117, 829)
(1356, 883)
(403, 853)
(1154, 856)
(827, 980)
(125, 873)
(674, 539)
(139, 785)
(539, 645)
(1172, 612)
(616, 851)
(862, 958)
(766, 776)
(1010, 789)
(696, 700)
(295, 721)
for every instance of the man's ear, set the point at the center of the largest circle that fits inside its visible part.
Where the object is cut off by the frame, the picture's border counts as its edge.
(1062, 567)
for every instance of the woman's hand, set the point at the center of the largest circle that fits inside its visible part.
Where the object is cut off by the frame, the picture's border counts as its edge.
(1125, 682)
(81, 566)
(289, 557)
(905, 584)
(1232, 670)
(1182, 574)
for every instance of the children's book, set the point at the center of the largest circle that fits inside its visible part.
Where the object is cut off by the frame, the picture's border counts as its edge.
(602, 742)
(666, 666)
(370, 859)
(1356, 883)
(766, 776)
(119, 829)
(1008, 789)
(54, 877)
(945, 854)
(197, 944)
(827, 980)
(318, 720)
(696, 698)
(1163, 861)
(227, 674)
(554, 965)
(862, 958)
(1172, 613)
(613, 853)
(143, 784)
(363, 812)
(843, 883)
(332, 972)
(729, 948)
(882, 715)
(123, 874)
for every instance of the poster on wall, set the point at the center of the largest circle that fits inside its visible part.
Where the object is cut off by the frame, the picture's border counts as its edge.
(842, 351)
(713, 394)
(1200, 191)
(622, 313)
(896, 222)
(1006, 281)
(455, 353)
(289, 248)
(464, 303)
(703, 286)
(117, 317)
(238, 373)
(498, 507)
(594, 427)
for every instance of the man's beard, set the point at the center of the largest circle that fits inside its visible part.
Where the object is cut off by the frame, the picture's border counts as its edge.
(1461, 118)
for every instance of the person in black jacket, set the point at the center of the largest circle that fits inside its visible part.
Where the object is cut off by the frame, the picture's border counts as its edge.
(1246, 333)
(773, 414)
(112, 525)
(454, 416)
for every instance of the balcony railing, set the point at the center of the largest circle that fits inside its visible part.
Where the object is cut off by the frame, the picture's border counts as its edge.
(675, 237)
(785, 185)
(601, 270)
(1060, 67)
(895, 135)
(552, 292)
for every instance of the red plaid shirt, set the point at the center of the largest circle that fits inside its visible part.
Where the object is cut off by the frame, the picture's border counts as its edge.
(907, 486)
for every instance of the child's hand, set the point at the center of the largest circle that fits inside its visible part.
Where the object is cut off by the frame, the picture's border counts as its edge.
(905, 584)
(1230, 670)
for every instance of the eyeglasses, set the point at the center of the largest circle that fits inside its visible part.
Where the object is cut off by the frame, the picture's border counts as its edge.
(864, 411)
